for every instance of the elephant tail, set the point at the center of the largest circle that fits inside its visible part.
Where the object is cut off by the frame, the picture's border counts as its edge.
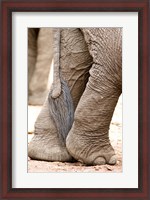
(56, 55)
(60, 100)
(62, 110)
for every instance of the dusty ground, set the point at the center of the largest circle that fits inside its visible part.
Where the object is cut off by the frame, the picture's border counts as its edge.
(115, 137)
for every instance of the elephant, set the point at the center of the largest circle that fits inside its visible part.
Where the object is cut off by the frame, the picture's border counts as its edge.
(40, 55)
(75, 118)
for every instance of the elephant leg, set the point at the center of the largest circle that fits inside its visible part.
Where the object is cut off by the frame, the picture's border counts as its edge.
(32, 52)
(75, 62)
(88, 140)
(46, 144)
(38, 84)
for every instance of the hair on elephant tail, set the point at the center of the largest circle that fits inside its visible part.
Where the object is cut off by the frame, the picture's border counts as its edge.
(61, 110)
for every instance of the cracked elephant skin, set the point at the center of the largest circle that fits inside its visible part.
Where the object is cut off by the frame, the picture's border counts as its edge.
(91, 66)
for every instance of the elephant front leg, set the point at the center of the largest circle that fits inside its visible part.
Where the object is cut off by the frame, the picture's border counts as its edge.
(88, 140)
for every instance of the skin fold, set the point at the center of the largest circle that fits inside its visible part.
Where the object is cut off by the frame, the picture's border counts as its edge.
(89, 62)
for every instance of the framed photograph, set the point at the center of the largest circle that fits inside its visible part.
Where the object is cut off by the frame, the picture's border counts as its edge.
(27, 168)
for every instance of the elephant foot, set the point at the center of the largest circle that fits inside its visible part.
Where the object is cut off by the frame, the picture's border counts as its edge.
(45, 147)
(86, 150)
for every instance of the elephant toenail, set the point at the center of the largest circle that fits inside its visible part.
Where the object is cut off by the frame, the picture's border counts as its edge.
(112, 160)
(99, 161)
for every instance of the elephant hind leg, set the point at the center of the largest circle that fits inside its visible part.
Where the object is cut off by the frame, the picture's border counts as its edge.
(88, 140)
(75, 62)
(46, 143)
(45, 147)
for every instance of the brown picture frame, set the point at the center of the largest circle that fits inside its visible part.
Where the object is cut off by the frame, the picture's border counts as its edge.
(10, 6)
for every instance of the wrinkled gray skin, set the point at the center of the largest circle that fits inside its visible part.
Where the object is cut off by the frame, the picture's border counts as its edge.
(91, 65)
(40, 54)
